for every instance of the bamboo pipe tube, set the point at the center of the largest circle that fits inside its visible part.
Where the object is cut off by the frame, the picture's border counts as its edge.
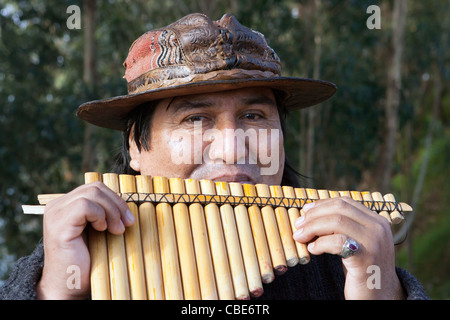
(248, 247)
(294, 213)
(273, 236)
(233, 246)
(168, 245)
(301, 194)
(308, 193)
(361, 196)
(323, 194)
(150, 242)
(284, 227)
(334, 194)
(259, 236)
(133, 245)
(217, 242)
(378, 197)
(356, 195)
(396, 216)
(98, 250)
(186, 252)
(312, 194)
(345, 194)
(120, 288)
(201, 244)
(368, 197)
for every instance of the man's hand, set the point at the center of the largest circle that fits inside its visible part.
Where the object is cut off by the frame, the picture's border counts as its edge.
(65, 242)
(328, 223)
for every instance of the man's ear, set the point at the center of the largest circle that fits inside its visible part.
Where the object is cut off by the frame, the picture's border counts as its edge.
(135, 156)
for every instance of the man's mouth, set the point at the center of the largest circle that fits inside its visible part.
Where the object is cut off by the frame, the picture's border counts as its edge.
(240, 178)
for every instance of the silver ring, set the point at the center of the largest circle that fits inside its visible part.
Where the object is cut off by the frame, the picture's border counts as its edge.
(349, 248)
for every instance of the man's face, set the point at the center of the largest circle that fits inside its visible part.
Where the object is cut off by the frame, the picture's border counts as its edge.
(231, 136)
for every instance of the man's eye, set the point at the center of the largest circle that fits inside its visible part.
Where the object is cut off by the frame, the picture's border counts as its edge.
(252, 116)
(195, 118)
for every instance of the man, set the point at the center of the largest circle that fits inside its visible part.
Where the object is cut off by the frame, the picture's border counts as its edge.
(193, 86)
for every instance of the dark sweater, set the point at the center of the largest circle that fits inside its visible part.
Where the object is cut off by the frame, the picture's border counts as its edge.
(321, 279)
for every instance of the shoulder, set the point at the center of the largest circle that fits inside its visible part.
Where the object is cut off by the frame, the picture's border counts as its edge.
(26, 273)
(412, 286)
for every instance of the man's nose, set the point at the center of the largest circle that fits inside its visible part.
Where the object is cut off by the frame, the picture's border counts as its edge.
(227, 143)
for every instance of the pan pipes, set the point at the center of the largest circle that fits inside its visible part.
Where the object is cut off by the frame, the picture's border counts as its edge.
(202, 239)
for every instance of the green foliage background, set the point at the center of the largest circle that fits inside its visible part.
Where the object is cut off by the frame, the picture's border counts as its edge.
(41, 85)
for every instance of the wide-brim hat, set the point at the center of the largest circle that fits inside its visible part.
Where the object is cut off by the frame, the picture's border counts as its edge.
(197, 55)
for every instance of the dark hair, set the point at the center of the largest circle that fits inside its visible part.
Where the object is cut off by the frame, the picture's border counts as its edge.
(138, 126)
(291, 177)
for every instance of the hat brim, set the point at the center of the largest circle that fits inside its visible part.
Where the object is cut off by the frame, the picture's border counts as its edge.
(298, 93)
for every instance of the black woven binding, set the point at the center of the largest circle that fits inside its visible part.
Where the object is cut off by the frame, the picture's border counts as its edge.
(172, 198)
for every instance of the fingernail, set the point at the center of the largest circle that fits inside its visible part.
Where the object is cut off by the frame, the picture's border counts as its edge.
(121, 226)
(308, 206)
(311, 246)
(129, 217)
(299, 221)
(297, 233)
